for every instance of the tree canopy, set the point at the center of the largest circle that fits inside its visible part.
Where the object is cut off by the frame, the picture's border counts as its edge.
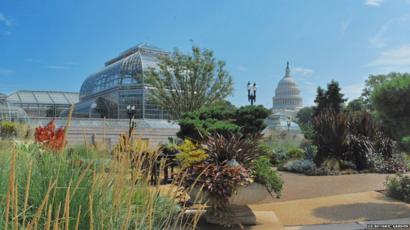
(372, 83)
(391, 100)
(186, 82)
(225, 120)
(330, 99)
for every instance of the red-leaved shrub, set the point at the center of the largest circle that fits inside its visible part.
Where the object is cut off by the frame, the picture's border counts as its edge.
(50, 137)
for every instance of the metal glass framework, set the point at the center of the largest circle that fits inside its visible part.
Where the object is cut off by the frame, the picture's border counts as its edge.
(42, 103)
(120, 83)
(11, 113)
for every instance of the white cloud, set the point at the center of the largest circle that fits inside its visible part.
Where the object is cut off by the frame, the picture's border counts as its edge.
(395, 58)
(379, 39)
(60, 66)
(345, 25)
(56, 67)
(5, 72)
(302, 71)
(33, 60)
(7, 21)
(373, 2)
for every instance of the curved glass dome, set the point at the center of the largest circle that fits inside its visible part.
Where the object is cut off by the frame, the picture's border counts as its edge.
(12, 113)
(124, 70)
(278, 123)
(107, 93)
(287, 94)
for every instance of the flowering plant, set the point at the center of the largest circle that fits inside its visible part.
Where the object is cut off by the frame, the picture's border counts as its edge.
(50, 137)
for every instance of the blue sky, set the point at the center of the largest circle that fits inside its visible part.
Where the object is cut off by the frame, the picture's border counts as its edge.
(56, 44)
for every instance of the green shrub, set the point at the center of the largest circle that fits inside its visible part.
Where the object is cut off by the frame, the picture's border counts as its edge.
(331, 132)
(310, 151)
(190, 154)
(296, 153)
(8, 129)
(300, 166)
(398, 187)
(266, 175)
(223, 120)
(406, 143)
(391, 100)
(251, 119)
(396, 164)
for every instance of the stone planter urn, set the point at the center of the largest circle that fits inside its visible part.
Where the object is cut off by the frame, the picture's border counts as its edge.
(236, 211)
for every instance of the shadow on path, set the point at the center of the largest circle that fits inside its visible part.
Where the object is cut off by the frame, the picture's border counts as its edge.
(365, 211)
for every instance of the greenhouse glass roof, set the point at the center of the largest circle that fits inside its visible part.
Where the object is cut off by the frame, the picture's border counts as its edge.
(43, 97)
(125, 70)
(12, 113)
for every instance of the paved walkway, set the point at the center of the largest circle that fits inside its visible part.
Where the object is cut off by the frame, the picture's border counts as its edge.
(346, 208)
(403, 223)
(348, 199)
(298, 186)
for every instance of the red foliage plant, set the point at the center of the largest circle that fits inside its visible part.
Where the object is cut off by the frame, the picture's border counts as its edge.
(219, 180)
(50, 137)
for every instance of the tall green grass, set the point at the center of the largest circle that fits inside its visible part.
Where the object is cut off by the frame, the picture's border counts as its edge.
(81, 188)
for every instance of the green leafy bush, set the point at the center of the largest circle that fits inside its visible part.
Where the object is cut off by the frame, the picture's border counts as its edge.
(8, 129)
(190, 154)
(223, 120)
(398, 187)
(391, 100)
(296, 153)
(310, 151)
(251, 119)
(396, 164)
(266, 175)
(300, 166)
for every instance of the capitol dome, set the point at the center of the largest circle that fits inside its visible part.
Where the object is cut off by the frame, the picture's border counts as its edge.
(287, 94)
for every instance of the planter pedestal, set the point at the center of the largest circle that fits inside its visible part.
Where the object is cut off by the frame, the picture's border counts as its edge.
(233, 214)
(236, 211)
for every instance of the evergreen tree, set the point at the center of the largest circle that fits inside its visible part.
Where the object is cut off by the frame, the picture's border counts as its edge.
(320, 100)
(334, 98)
(330, 99)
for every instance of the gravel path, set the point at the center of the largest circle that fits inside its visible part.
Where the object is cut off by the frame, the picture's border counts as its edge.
(298, 186)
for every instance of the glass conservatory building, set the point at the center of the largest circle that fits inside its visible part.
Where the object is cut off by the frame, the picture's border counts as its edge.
(108, 92)
(42, 103)
(11, 113)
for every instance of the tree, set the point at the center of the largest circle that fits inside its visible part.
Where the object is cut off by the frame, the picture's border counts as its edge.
(304, 118)
(334, 98)
(224, 120)
(251, 119)
(320, 100)
(185, 83)
(212, 119)
(356, 105)
(305, 115)
(391, 100)
(373, 82)
(330, 99)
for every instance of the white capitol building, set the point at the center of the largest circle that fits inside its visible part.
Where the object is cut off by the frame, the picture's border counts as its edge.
(286, 103)
(287, 94)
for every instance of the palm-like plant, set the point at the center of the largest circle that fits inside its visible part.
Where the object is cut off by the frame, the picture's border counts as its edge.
(331, 132)
(221, 148)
